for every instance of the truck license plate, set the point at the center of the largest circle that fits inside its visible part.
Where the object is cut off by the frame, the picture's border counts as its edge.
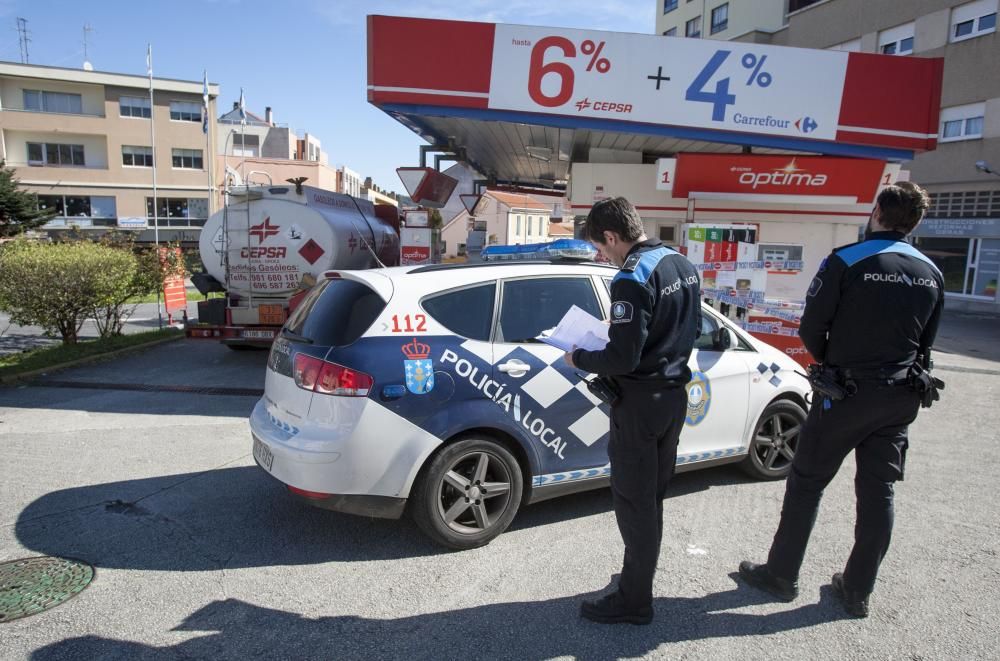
(257, 334)
(262, 454)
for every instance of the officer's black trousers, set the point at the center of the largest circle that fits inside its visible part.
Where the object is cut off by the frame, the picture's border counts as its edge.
(873, 423)
(645, 426)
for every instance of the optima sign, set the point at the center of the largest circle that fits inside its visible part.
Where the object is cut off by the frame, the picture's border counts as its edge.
(780, 175)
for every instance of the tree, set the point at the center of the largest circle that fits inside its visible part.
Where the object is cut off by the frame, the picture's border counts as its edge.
(434, 219)
(18, 209)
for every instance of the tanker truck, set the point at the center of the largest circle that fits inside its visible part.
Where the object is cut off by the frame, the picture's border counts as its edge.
(270, 244)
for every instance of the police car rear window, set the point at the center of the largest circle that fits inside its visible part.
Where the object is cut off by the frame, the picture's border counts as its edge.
(336, 313)
(467, 312)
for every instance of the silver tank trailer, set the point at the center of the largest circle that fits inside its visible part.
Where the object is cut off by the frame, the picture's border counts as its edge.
(275, 238)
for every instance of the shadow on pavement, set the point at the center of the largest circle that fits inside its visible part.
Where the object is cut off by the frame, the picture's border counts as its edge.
(241, 517)
(970, 335)
(514, 630)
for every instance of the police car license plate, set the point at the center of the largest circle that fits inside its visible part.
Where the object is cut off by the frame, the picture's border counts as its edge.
(262, 454)
(257, 334)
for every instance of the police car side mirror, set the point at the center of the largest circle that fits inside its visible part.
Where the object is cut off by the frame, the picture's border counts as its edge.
(723, 339)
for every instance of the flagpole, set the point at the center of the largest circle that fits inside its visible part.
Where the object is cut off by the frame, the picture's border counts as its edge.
(209, 154)
(152, 147)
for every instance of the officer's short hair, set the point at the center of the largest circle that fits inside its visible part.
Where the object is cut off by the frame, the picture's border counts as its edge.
(902, 206)
(615, 214)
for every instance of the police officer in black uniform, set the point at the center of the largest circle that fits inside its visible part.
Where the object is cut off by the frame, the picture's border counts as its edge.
(870, 319)
(655, 319)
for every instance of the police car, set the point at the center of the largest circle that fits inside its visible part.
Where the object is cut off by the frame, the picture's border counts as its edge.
(425, 388)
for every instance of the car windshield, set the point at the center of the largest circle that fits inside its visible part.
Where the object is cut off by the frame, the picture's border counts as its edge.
(336, 313)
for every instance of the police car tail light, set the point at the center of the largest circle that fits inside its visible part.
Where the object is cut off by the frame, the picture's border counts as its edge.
(330, 378)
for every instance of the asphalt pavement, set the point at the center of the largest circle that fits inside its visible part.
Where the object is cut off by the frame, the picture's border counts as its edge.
(199, 554)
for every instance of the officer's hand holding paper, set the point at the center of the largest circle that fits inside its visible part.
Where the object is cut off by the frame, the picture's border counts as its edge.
(577, 330)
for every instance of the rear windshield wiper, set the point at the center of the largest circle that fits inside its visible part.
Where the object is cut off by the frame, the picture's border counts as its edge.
(295, 336)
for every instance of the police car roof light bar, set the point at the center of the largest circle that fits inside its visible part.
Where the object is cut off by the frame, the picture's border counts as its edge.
(563, 249)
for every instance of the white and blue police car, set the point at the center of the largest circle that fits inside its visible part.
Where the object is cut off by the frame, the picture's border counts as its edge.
(425, 389)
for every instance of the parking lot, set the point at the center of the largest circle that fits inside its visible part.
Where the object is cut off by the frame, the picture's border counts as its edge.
(143, 469)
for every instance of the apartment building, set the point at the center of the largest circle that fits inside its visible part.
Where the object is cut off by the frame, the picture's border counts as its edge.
(961, 232)
(81, 140)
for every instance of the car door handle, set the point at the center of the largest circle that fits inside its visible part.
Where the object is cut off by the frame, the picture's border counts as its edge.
(514, 367)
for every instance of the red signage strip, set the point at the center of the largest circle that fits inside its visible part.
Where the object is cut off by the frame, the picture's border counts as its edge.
(413, 60)
(778, 175)
(891, 97)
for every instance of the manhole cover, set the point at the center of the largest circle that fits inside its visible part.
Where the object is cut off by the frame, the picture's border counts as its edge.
(33, 585)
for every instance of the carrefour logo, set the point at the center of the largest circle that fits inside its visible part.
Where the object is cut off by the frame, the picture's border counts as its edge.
(806, 124)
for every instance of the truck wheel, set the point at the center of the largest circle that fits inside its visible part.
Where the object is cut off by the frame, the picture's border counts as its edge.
(772, 446)
(468, 494)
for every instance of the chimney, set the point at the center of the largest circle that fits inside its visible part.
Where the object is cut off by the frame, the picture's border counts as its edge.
(268, 116)
(236, 104)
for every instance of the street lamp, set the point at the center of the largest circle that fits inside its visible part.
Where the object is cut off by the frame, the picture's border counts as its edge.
(983, 166)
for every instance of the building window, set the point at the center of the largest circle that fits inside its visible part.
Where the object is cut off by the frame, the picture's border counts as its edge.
(137, 157)
(669, 6)
(517, 227)
(969, 265)
(973, 19)
(668, 234)
(672, 32)
(246, 144)
(897, 40)
(178, 211)
(962, 122)
(528, 222)
(41, 101)
(541, 227)
(53, 154)
(185, 111)
(693, 27)
(134, 106)
(79, 210)
(187, 159)
(720, 18)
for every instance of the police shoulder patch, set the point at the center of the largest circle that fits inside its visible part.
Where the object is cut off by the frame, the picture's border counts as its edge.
(621, 312)
(814, 287)
(631, 262)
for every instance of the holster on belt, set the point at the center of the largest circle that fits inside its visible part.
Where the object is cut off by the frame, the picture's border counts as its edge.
(829, 383)
(926, 385)
(603, 388)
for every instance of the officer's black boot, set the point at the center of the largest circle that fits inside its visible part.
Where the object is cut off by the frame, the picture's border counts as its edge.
(855, 603)
(612, 609)
(761, 577)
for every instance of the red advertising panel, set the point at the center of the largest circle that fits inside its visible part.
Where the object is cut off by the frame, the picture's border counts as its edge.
(778, 175)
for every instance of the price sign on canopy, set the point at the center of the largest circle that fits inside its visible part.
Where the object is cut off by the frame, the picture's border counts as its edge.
(645, 78)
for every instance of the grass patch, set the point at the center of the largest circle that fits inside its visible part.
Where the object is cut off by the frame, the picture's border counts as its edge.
(192, 295)
(55, 356)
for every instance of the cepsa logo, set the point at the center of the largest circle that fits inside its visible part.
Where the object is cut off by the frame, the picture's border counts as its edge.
(260, 253)
(789, 176)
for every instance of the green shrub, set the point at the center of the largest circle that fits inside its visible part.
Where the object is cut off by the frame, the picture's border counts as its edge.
(57, 286)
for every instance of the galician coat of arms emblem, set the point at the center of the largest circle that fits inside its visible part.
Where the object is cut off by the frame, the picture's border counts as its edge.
(419, 369)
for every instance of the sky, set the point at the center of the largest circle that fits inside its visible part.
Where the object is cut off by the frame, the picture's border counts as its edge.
(304, 58)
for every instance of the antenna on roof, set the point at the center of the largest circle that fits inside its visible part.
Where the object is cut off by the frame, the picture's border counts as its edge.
(87, 66)
(22, 38)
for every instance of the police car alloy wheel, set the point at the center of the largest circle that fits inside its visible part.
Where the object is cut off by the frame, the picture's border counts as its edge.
(468, 494)
(775, 438)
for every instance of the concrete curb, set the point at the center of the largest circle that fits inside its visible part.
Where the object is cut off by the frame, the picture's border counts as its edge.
(14, 378)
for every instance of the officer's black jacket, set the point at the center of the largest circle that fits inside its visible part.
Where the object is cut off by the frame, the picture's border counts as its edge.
(873, 305)
(655, 319)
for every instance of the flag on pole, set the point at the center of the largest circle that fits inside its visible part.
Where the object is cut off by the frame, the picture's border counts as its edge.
(204, 105)
(243, 109)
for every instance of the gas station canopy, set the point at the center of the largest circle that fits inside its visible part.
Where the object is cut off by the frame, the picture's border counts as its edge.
(522, 103)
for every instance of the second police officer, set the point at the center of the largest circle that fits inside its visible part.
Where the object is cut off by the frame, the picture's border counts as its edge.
(870, 320)
(655, 320)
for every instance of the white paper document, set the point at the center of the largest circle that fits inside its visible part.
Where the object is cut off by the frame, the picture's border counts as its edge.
(577, 329)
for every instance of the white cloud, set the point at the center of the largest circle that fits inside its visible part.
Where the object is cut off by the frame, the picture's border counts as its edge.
(614, 15)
